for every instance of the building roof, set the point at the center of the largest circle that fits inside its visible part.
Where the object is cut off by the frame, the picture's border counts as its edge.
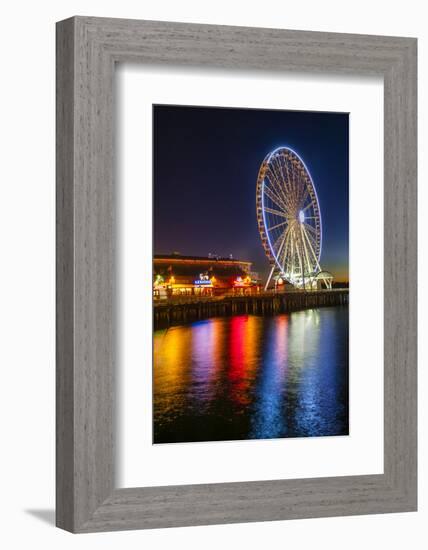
(192, 266)
(178, 258)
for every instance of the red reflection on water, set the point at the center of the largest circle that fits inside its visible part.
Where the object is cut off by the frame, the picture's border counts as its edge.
(281, 344)
(241, 358)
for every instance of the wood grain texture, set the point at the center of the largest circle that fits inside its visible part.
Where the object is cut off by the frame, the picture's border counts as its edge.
(64, 277)
(87, 50)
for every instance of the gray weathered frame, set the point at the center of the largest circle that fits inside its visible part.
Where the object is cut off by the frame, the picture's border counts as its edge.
(87, 50)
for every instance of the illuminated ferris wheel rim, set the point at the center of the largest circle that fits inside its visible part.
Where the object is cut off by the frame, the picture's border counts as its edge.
(267, 160)
(284, 192)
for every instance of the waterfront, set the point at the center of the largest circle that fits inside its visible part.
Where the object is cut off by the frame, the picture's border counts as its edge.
(182, 310)
(252, 377)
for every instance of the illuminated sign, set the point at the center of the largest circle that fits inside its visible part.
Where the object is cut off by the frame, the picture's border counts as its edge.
(202, 282)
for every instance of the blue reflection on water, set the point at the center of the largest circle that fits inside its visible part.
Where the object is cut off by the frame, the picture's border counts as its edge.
(268, 419)
(250, 377)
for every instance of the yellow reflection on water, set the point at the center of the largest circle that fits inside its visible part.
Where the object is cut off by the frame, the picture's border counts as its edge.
(171, 364)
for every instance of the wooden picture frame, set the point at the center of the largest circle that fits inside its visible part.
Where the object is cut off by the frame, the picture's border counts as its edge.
(87, 50)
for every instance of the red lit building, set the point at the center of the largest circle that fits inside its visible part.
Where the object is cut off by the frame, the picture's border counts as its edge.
(177, 275)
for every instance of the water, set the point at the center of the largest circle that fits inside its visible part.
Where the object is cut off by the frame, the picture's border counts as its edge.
(252, 377)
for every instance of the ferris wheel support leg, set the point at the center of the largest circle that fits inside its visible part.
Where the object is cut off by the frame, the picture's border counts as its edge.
(270, 277)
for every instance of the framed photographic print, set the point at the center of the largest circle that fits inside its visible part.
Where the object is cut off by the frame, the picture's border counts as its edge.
(236, 274)
(234, 373)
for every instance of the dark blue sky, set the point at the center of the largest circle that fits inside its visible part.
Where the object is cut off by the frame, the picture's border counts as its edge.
(206, 162)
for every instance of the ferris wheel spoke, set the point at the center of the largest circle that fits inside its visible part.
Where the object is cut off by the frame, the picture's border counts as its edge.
(311, 227)
(311, 248)
(279, 186)
(295, 180)
(312, 237)
(307, 207)
(310, 260)
(280, 175)
(274, 197)
(277, 225)
(297, 266)
(284, 235)
(276, 167)
(279, 240)
(287, 169)
(305, 196)
(276, 187)
(299, 255)
(312, 240)
(291, 258)
(294, 185)
(284, 255)
(289, 186)
(276, 212)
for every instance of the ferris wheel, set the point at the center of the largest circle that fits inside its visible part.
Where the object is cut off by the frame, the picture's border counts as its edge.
(289, 220)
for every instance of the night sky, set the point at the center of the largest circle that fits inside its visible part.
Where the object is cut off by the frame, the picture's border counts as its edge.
(206, 162)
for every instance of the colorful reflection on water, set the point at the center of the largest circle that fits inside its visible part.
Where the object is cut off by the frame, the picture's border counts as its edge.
(251, 377)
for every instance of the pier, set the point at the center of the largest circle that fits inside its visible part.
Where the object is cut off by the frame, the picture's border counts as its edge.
(179, 311)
